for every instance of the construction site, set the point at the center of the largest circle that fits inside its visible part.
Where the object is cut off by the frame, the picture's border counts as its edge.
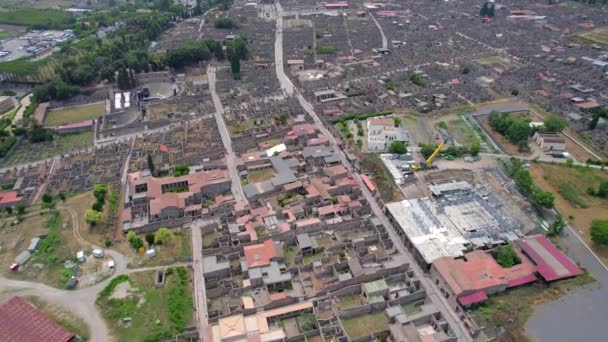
(458, 211)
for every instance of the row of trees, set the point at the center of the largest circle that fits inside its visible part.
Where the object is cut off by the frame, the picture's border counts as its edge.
(519, 130)
(524, 181)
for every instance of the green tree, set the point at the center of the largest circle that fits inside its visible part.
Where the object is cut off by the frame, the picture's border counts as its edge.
(100, 191)
(181, 170)
(466, 70)
(524, 180)
(163, 236)
(545, 199)
(506, 256)
(557, 226)
(397, 147)
(427, 150)
(137, 243)
(514, 92)
(131, 235)
(47, 198)
(92, 217)
(150, 163)
(150, 238)
(603, 189)
(554, 123)
(397, 121)
(518, 131)
(483, 12)
(599, 232)
(475, 148)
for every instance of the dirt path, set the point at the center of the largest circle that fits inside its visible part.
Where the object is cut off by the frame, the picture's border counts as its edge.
(25, 101)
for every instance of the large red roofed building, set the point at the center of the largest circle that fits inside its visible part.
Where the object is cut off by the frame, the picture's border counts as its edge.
(20, 321)
(470, 280)
(261, 254)
(550, 262)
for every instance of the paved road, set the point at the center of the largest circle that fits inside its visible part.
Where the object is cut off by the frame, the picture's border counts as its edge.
(200, 297)
(427, 283)
(237, 189)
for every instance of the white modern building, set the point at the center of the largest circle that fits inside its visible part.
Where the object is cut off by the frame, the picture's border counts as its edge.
(381, 132)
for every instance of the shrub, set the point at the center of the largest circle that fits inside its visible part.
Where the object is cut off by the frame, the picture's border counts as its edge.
(506, 256)
(599, 232)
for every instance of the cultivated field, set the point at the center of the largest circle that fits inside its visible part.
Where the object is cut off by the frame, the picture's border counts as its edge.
(570, 186)
(68, 115)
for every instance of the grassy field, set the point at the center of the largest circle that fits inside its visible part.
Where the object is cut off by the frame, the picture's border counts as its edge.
(595, 36)
(460, 132)
(503, 316)
(66, 319)
(261, 175)
(25, 151)
(68, 115)
(237, 128)
(491, 60)
(572, 200)
(155, 313)
(346, 302)
(365, 325)
(37, 18)
(44, 266)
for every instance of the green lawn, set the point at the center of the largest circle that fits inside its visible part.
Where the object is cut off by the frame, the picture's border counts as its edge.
(462, 133)
(365, 325)
(68, 115)
(491, 60)
(156, 313)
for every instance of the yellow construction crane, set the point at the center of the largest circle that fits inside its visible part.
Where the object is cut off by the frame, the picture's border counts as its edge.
(424, 165)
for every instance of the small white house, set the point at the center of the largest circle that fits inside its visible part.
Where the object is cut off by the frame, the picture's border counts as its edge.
(98, 253)
(111, 264)
(80, 256)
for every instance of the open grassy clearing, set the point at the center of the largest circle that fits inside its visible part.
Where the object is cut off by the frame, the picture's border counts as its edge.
(346, 302)
(595, 36)
(261, 175)
(491, 60)
(68, 115)
(365, 325)
(46, 265)
(24, 151)
(503, 316)
(570, 186)
(66, 319)
(459, 131)
(154, 313)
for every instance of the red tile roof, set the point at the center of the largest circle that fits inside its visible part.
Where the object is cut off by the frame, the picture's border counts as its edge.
(22, 322)
(84, 123)
(260, 255)
(9, 197)
(368, 183)
(550, 262)
(475, 297)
